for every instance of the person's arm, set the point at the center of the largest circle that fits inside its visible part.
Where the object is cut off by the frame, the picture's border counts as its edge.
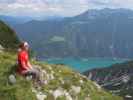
(23, 64)
(23, 60)
(29, 65)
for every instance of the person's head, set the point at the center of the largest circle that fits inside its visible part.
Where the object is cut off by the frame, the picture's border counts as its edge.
(24, 46)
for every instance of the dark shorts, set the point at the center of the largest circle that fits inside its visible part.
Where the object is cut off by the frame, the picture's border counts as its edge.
(35, 73)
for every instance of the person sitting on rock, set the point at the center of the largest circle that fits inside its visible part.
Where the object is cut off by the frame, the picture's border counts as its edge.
(24, 66)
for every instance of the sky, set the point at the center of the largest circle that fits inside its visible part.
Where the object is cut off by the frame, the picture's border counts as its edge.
(44, 8)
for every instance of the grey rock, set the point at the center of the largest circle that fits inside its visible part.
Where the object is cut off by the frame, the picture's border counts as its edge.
(12, 79)
(1, 48)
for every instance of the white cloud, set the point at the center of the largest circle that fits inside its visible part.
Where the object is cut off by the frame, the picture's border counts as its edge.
(57, 7)
(111, 3)
(43, 7)
(124, 3)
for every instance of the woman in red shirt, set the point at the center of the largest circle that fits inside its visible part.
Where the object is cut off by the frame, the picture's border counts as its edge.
(24, 66)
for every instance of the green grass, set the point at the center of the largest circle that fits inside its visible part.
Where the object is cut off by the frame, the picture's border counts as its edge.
(22, 90)
(8, 38)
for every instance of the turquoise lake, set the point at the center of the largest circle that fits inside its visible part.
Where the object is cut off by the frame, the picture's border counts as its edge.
(82, 65)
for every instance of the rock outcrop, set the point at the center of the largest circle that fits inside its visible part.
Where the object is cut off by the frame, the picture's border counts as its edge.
(1, 48)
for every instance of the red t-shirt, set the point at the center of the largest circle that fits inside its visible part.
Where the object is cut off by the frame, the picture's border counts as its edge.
(23, 59)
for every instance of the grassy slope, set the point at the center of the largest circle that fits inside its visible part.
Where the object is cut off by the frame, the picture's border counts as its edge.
(8, 38)
(22, 90)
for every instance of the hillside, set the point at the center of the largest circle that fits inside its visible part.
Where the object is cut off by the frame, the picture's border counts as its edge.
(117, 78)
(60, 82)
(8, 38)
(109, 30)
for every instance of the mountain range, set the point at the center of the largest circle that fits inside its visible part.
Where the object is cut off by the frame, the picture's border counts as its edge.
(13, 20)
(95, 33)
(117, 78)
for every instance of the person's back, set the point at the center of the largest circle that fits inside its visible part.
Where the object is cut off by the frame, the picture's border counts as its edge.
(22, 61)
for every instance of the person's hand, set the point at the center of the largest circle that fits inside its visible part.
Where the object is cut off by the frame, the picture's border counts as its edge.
(29, 65)
(30, 68)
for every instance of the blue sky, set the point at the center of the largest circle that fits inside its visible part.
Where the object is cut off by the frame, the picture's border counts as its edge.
(44, 8)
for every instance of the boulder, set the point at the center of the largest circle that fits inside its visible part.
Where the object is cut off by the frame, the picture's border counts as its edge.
(12, 79)
(68, 96)
(58, 92)
(41, 96)
(75, 89)
(1, 48)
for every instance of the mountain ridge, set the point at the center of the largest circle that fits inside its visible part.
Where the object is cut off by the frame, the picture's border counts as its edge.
(116, 78)
(104, 30)
(8, 37)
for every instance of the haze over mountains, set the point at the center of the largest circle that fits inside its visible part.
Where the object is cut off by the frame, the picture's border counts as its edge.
(13, 20)
(95, 33)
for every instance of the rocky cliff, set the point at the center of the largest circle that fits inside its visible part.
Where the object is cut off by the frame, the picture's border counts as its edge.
(117, 78)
